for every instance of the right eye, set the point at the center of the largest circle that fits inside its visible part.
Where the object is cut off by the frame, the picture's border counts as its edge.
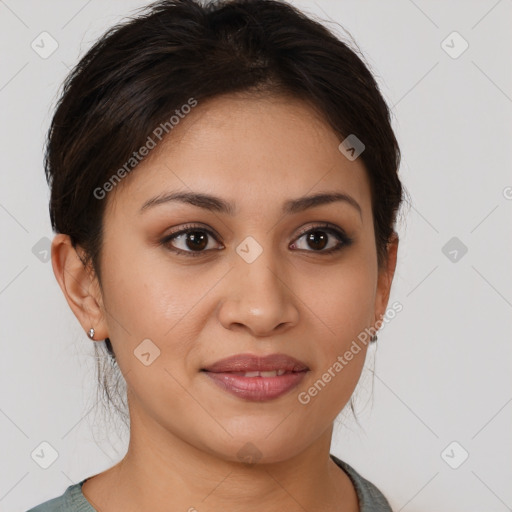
(193, 239)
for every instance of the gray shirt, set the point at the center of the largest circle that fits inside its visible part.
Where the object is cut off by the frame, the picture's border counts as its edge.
(370, 498)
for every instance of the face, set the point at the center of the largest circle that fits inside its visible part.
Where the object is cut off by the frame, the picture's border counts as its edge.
(255, 279)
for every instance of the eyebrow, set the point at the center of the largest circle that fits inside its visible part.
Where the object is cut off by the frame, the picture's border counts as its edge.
(218, 205)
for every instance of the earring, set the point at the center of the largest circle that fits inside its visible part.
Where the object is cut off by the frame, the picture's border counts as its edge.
(91, 333)
(373, 339)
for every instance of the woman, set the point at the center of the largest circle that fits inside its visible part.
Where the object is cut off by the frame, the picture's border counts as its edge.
(224, 191)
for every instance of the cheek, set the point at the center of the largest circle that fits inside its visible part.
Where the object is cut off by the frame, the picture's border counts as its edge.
(347, 313)
(345, 302)
(342, 302)
(342, 299)
(150, 296)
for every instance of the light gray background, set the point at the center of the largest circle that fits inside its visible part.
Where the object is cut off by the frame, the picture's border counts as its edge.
(442, 366)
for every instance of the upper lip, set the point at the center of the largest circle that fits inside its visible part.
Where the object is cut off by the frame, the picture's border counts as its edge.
(252, 363)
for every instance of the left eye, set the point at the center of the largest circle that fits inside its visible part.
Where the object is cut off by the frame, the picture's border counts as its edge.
(195, 241)
(322, 239)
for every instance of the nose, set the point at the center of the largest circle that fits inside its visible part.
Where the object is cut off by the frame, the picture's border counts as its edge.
(257, 298)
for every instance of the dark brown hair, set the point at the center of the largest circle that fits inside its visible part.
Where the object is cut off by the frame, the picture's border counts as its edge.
(141, 71)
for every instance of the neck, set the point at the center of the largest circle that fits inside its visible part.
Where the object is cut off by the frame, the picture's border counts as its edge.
(161, 471)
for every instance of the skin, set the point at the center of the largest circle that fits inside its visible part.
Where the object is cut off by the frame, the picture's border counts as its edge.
(186, 432)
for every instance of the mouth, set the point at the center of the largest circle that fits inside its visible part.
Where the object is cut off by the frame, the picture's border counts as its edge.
(257, 378)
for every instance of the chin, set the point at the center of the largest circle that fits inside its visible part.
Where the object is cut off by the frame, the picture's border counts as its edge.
(268, 445)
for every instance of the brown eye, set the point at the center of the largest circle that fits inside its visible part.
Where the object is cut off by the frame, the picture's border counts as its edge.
(196, 240)
(192, 241)
(317, 240)
(323, 239)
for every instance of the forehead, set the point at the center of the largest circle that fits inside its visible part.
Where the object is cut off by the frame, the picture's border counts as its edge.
(253, 150)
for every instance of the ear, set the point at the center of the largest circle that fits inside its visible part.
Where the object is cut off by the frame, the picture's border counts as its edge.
(385, 278)
(79, 286)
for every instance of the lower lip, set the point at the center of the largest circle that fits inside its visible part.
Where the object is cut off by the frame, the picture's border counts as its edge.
(258, 389)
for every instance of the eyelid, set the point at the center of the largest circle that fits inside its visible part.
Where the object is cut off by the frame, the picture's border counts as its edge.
(194, 225)
(327, 226)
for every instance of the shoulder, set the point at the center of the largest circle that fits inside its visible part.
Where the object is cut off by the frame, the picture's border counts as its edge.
(370, 498)
(72, 500)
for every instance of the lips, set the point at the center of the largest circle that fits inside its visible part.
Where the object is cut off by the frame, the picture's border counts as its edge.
(252, 363)
(257, 378)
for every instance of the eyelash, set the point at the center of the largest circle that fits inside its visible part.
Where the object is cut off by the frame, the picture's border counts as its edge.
(339, 234)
